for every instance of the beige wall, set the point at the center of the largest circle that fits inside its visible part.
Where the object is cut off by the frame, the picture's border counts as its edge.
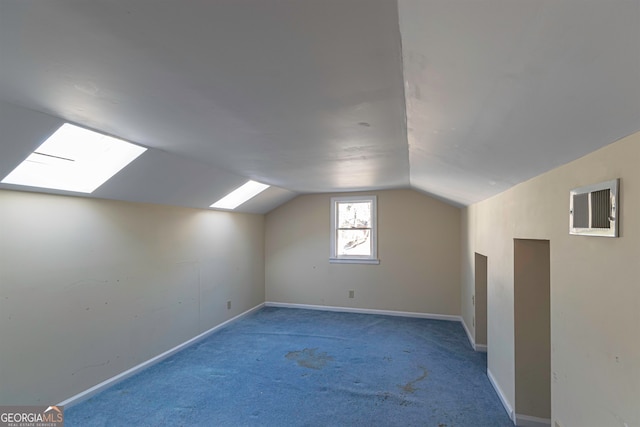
(90, 288)
(595, 291)
(467, 276)
(418, 248)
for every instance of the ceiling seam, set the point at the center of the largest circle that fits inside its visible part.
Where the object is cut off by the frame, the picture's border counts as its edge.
(405, 129)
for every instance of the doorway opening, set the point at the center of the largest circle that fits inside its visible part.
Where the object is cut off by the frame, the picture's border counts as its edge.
(480, 302)
(532, 327)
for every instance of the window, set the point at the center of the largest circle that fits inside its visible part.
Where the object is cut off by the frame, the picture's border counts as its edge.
(353, 230)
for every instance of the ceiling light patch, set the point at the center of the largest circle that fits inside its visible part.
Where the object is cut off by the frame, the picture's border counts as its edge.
(74, 159)
(240, 195)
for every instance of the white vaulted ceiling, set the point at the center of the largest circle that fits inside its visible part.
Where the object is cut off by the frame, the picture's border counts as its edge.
(458, 99)
(499, 91)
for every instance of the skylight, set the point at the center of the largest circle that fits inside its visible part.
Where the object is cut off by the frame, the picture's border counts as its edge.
(240, 195)
(74, 159)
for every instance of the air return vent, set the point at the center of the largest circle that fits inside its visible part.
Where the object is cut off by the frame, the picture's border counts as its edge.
(594, 209)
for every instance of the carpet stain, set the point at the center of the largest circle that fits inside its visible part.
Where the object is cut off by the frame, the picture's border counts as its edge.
(385, 395)
(410, 386)
(309, 358)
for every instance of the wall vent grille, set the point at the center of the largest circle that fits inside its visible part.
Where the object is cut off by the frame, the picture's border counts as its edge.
(593, 209)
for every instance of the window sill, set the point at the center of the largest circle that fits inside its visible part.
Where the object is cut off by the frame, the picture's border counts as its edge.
(353, 261)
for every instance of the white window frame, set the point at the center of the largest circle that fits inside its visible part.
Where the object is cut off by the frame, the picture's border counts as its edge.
(354, 259)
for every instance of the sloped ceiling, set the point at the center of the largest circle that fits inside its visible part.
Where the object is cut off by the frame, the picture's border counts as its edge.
(499, 91)
(458, 99)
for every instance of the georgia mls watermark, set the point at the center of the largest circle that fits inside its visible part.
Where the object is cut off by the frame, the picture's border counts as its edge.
(31, 416)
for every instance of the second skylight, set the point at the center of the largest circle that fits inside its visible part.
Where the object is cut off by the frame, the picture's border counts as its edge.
(240, 195)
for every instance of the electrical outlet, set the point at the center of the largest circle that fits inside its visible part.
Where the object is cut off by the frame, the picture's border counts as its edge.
(229, 305)
(352, 293)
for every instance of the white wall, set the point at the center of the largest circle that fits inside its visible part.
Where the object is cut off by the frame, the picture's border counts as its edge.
(595, 291)
(90, 288)
(418, 247)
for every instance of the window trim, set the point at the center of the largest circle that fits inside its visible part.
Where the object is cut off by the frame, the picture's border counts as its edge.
(354, 259)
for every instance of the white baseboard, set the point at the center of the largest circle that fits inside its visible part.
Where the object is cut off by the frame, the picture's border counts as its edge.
(84, 395)
(518, 420)
(366, 311)
(477, 347)
(469, 336)
(503, 398)
(528, 421)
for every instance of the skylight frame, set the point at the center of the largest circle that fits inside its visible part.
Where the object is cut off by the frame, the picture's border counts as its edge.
(74, 159)
(240, 195)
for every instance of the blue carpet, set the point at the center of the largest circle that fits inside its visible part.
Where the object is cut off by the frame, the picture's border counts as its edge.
(290, 367)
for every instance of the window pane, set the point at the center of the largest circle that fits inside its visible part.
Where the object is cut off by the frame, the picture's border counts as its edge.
(354, 215)
(354, 242)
